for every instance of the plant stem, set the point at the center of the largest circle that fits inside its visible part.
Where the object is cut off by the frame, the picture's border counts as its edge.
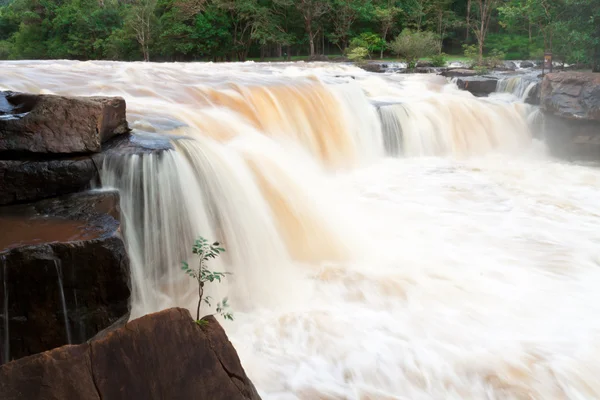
(200, 292)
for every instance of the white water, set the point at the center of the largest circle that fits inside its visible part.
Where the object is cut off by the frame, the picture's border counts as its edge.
(466, 269)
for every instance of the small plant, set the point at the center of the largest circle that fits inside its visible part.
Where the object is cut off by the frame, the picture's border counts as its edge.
(438, 60)
(358, 55)
(202, 274)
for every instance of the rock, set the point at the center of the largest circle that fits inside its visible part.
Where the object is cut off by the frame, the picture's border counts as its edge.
(572, 95)
(526, 64)
(58, 124)
(451, 73)
(372, 67)
(533, 97)
(572, 139)
(30, 180)
(165, 355)
(425, 70)
(510, 65)
(479, 86)
(424, 64)
(64, 270)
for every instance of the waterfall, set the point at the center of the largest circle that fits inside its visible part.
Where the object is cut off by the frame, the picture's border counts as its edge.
(58, 266)
(520, 86)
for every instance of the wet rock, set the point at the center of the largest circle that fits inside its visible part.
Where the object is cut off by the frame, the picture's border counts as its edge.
(29, 179)
(57, 124)
(425, 70)
(373, 67)
(159, 356)
(510, 65)
(64, 270)
(572, 139)
(572, 95)
(424, 64)
(533, 97)
(452, 73)
(526, 64)
(479, 86)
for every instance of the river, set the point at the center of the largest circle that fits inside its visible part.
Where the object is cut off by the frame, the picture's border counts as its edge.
(389, 236)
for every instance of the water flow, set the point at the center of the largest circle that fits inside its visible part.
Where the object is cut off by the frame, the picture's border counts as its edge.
(5, 317)
(465, 266)
(58, 266)
(519, 86)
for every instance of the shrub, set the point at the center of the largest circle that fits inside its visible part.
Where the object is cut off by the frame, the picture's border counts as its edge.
(358, 54)
(202, 274)
(493, 59)
(411, 46)
(438, 60)
(368, 41)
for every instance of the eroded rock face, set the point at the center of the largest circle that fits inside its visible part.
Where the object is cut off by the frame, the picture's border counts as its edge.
(572, 95)
(64, 270)
(159, 356)
(58, 124)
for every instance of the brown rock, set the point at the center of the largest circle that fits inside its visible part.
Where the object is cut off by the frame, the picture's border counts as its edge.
(58, 124)
(159, 356)
(572, 95)
(64, 270)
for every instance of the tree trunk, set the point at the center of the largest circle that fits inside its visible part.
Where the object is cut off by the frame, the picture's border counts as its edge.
(262, 53)
(289, 53)
(312, 45)
(468, 19)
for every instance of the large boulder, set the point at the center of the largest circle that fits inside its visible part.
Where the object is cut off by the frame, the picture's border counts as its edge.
(159, 356)
(58, 124)
(572, 95)
(64, 274)
(478, 85)
(373, 67)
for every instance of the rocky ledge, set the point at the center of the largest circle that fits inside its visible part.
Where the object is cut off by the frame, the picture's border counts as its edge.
(159, 356)
(570, 102)
(64, 272)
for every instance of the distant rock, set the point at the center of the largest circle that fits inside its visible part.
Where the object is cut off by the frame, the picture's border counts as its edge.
(57, 124)
(572, 95)
(424, 64)
(526, 64)
(478, 85)
(64, 248)
(159, 356)
(318, 57)
(452, 73)
(372, 67)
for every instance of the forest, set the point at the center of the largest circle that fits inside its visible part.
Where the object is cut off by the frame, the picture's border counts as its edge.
(238, 30)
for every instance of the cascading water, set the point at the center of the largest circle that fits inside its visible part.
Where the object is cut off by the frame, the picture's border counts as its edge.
(465, 266)
(519, 86)
(63, 302)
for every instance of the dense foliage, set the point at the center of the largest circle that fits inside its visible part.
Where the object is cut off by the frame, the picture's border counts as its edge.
(182, 30)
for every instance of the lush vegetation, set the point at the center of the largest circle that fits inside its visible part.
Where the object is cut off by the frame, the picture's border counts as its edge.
(206, 252)
(219, 30)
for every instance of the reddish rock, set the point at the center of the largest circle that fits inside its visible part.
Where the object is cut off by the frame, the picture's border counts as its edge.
(58, 124)
(572, 95)
(159, 356)
(56, 256)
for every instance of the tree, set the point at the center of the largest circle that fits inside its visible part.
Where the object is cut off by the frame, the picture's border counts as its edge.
(386, 18)
(312, 11)
(141, 21)
(481, 22)
(345, 15)
(412, 45)
(202, 274)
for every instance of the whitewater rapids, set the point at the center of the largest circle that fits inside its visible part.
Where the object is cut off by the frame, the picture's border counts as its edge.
(390, 237)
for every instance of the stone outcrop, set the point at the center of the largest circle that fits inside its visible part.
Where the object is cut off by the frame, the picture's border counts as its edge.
(64, 270)
(159, 356)
(373, 67)
(478, 85)
(58, 124)
(572, 95)
(570, 102)
(452, 73)
(30, 179)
